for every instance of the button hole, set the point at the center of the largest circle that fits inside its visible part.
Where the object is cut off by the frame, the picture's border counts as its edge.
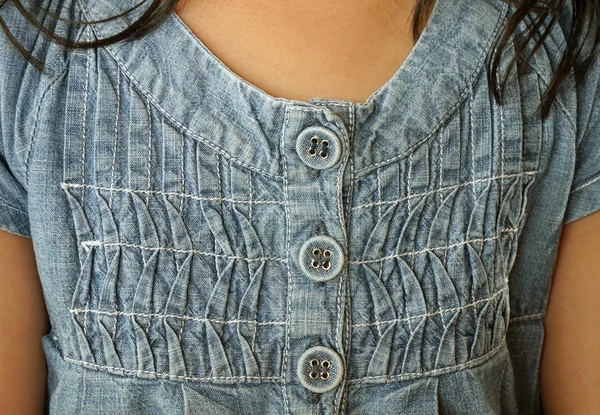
(324, 153)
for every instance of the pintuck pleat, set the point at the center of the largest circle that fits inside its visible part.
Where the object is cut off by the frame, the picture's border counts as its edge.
(433, 268)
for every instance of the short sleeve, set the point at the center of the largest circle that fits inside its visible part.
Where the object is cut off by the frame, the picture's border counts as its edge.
(584, 197)
(13, 145)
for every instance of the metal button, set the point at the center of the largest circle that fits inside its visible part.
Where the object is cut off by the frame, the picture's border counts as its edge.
(321, 258)
(318, 147)
(320, 369)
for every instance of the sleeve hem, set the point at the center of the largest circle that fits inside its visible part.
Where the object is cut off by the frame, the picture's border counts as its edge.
(583, 186)
(583, 200)
(14, 220)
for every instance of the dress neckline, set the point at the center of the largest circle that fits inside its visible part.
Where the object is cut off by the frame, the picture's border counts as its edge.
(205, 100)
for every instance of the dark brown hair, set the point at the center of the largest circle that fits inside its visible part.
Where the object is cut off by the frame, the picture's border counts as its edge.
(585, 27)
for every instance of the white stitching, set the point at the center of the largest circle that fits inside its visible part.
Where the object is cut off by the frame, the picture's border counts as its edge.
(166, 375)
(437, 248)
(289, 293)
(178, 317)
(181, 198)
(413, 375)
(251, 192)
(343, 390)
(526, 317)
(255, 332)
(84, 122)
(87, 244)
(472, 140)
(114, 157)
(456, 186)
(409, 187)
(85, 99)
(435, 313)
(159, 192)
(585, 185)
(13, 208)
(441, 144)
(326, 103)
(500, 108)
(341, 216)
(379, 194)
(149, 150)
(219, 179)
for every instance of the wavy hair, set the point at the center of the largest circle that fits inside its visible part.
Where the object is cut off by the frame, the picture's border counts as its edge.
(585, 27)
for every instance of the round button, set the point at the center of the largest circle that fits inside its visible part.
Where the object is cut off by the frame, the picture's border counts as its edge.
(318, 147)
(321, 258)
(320, 369)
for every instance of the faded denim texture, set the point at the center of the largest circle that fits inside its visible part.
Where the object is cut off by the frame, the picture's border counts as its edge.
(169, 206)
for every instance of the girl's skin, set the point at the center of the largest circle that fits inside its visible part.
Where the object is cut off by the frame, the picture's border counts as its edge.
(304, 49)
(300, 50)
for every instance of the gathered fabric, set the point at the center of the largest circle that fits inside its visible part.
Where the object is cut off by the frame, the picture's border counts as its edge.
(205, 247)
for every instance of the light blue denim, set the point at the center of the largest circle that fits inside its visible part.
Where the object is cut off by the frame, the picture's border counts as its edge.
(207, 248)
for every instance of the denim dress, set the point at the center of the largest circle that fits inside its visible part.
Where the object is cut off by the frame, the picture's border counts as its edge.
(207, 248)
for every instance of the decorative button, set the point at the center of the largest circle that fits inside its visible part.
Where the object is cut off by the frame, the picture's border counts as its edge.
(321, 258)
(320, 369)
(318, 147)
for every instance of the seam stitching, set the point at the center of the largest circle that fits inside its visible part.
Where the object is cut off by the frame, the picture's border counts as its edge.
(412, 375)
(437, 248)
(87, 244)
(166, 375)
(435, 313)
(35, 122)
(289, 293)
(13, 208)
(77, 311)
(65, 185)
(453, 187)
(114, 157)
(149, 173)
(526, 317)
(340, 401)
(584, 185)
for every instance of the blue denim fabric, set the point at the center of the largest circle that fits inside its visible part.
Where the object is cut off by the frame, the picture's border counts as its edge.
(203, 248)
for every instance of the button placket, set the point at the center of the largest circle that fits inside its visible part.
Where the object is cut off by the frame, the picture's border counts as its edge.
(314, 143)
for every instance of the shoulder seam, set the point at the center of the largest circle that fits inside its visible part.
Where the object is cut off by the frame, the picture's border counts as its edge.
(35, 122)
